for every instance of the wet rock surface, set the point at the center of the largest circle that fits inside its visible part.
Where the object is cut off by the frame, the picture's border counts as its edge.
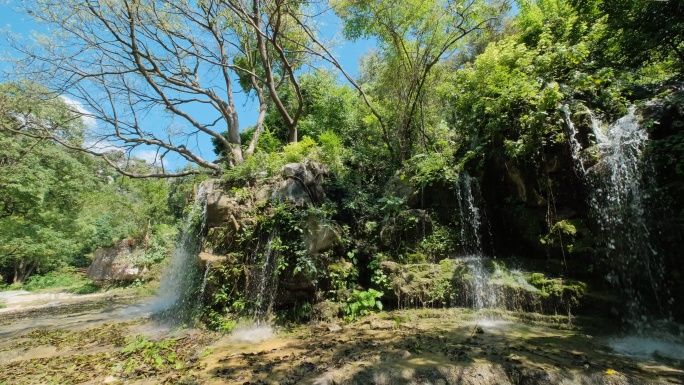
(400, 347)
(430, 347)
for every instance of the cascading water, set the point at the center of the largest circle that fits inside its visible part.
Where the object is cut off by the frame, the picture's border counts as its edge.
(619, 201)
(484, 295)
(176, 297)
(203, 287)
(263, 279)
(575, 145)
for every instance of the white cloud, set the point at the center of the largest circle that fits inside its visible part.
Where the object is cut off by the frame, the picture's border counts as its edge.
(151, 157)
(102, 146)
(88, 120)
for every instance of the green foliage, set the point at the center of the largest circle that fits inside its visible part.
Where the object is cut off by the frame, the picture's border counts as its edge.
(41, 184)
(427, 169)
(401, 77)
(333, 153)
(638, 33)
(59, 205)
(63, 278)
(262, 166)
(343, 275)
(140, 352)
(568, 291)
(378, 277)
(568, 233)
(361, 303)
(509, 98)
(222, 323)
(160, 245)
(439, 244)
(297, 152)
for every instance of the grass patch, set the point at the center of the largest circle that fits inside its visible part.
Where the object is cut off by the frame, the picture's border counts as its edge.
(66, 278)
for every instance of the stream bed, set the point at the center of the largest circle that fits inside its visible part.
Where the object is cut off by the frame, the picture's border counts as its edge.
(121, 343)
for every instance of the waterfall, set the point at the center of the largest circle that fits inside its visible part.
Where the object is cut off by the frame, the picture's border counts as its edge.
(575, 145)
(483, 294)
(263, 278)
(203, 287)
(176, 297)
(620, 203)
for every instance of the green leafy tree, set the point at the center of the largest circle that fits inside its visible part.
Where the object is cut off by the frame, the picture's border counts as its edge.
(41, 183)
(143, 69)
(507, 103)
(639, 32)
(414, 37)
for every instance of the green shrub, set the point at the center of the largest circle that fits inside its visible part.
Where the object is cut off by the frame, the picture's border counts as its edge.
(297, 152)
(159, 247)
(86, 288)
(361, 303)
(222, 323)
(65, 277)
(332, 151)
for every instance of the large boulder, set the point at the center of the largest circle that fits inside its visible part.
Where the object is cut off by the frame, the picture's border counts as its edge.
(117, 263)
(220, 206)
(400, 186)
(320, 236)
(301, 184)
(227, 212)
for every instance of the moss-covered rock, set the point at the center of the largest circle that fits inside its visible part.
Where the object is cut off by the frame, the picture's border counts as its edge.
(452, 283)
(424, 285)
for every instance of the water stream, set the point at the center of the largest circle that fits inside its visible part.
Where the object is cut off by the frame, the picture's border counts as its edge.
(620, 201)
(263, 279)
(484, 295)
(177, 296)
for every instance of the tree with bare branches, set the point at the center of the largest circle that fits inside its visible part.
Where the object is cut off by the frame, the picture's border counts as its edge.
(160, 74)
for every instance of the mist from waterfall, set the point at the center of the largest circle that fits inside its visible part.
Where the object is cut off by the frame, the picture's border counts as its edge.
(620, 182)
(263, 278)
(483, 295)
(177, 295)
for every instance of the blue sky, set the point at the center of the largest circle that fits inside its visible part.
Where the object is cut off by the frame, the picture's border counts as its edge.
(348, 53)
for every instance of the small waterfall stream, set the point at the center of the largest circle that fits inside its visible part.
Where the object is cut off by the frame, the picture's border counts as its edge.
(620, 201)
(176, 298)
(263, 280)
(575, 145)
(484, 295)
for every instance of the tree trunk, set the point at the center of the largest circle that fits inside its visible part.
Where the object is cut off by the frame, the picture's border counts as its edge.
(263, 108)
(19, 269)
(29, 272)
(293, 134)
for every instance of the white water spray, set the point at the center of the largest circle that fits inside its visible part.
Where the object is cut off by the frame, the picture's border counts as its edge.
(619, 202)
(263, 280)
(180, 277)
(484, 295)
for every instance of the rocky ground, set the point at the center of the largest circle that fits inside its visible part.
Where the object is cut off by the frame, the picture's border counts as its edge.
(121, 343)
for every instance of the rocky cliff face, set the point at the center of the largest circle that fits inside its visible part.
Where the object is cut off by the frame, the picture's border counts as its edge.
(116, 263)
(268, 237)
